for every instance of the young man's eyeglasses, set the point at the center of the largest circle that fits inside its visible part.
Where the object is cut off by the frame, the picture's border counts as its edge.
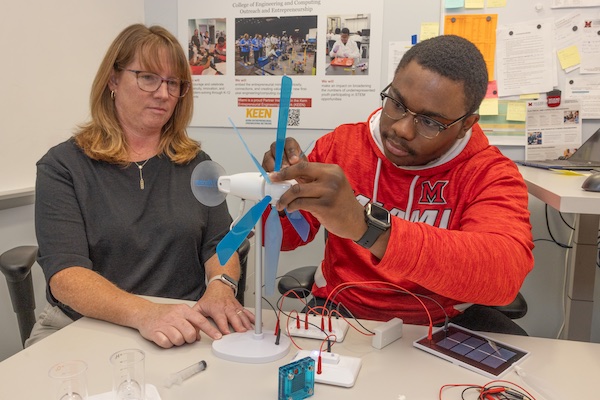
(151, 82)
(425, 126)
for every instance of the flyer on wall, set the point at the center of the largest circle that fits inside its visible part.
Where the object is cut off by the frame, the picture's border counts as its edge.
(238, 51)
(552, 132)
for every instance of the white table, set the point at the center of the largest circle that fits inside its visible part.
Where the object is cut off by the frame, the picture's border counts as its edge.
(571, 367)
(563, 192)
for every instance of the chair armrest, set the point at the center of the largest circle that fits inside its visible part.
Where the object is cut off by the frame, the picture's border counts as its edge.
(16, 263)
(300, 280)
(516, 309)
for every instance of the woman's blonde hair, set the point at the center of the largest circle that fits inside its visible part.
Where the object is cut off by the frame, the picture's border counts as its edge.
(102, 137)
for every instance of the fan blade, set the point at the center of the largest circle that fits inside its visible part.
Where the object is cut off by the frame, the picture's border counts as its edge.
(204, 183)
(234, 238)
(299, 223)
(258, 165)
(285, 95)
(273, 236)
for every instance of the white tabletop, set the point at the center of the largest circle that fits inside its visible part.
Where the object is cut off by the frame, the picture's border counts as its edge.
(561, 190)
(399, 369)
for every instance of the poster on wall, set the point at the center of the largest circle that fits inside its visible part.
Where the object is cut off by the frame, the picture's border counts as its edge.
(238, 51)
(552, 132)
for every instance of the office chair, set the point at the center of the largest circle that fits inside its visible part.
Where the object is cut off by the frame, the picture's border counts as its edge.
(300, 281)
(16, 265)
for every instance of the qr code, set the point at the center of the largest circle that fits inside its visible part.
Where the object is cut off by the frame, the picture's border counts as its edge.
(294, 117)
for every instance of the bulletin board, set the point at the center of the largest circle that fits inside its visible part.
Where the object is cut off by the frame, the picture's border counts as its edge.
(540, 15)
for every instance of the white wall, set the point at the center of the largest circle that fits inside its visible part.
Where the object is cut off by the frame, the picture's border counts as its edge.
(50, 54)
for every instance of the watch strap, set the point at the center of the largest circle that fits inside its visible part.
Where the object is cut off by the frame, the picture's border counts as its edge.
(227, 280)
(371, 235)
(378, 221)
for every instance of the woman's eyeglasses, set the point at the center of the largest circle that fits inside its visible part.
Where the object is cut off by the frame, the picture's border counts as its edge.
(151, 82)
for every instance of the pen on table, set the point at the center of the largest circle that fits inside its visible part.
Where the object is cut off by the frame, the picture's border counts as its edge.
(180, 376)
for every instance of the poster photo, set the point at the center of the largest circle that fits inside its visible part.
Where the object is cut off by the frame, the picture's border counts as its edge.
(239, 50)
(552, 132)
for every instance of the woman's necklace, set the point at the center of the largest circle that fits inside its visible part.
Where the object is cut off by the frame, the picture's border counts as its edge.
(140, 166)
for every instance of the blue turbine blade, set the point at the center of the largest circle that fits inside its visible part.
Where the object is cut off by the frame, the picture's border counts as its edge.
(258, 165)
(299, 223)
(234, 238)
(284, 110)
(273, 237)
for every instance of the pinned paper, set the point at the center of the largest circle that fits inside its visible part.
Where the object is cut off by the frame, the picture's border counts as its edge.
(480, 29)
(454, 3)
(489, 107)
(430, 30)
(496, 3)
(516, 111)
(569, 57)
(492, 90)
(474, 3)
(531, 96)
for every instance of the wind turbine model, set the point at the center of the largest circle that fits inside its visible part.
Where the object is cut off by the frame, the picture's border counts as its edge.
(210, 185)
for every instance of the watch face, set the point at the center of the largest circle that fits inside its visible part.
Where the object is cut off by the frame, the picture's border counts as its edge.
(229, 279)
(380, 214)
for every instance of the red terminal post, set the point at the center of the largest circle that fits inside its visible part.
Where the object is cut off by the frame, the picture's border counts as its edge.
(319, 369)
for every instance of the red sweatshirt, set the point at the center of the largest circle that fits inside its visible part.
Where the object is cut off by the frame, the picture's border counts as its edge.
(460, 228)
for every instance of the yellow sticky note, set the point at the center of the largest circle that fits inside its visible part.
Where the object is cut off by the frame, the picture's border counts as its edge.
(429, 30)
(569, 57)
(531, 96)
(496, 3)
(474, 3)
(489, 106)
(516, 111)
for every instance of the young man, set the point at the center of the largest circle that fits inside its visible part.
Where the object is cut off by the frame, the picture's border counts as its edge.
(345, 47)
(446, 214)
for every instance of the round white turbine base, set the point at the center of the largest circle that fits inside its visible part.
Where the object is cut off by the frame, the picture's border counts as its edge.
(250, 347)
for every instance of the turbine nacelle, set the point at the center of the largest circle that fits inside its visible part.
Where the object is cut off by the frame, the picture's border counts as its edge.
(253, 186)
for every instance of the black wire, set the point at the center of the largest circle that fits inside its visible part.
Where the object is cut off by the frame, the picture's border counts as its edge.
(393, 289)
(550, 231)
(563, 220)
(462, 395)
(289, 315)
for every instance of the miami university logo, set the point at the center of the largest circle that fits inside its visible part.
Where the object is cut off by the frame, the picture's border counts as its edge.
(433, 193)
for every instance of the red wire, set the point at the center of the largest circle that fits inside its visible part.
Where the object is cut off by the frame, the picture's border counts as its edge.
(485, 390)
(341, 285)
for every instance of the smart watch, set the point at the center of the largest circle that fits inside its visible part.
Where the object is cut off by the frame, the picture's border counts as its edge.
(226, 279)
(378, 221)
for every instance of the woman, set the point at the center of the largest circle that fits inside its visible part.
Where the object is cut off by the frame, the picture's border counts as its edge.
(114, 212)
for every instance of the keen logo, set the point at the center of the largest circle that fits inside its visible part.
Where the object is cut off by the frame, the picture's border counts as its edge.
(259, 113)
